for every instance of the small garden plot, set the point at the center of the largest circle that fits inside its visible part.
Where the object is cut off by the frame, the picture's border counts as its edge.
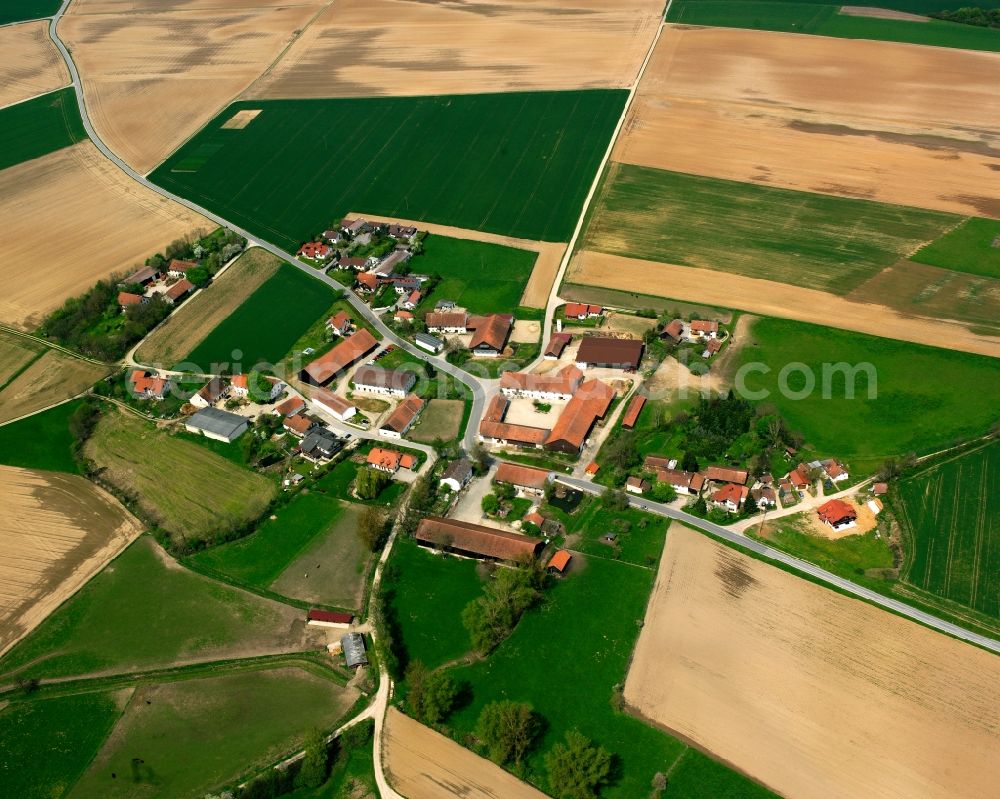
(441, 420)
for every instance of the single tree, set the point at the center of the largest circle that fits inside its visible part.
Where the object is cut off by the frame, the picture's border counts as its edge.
(664, 492)
(577, 769)
(440, 693)
(750, 505)
(507, 729)
(490, 504)
(689, 463)
(373, 528)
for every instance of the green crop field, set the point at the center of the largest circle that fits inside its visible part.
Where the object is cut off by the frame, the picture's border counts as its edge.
(803, 239)
(144, 611)
(426, 594)
(265, 326)
(193, 737)
(518, 164)
(19, 10)
(951, 515)
(927, 398)
(583, 641)
(41, 441)
(38, 127)
(481, 277)
(189, 491)
(973, 247)
(45, 744)
(826, 20)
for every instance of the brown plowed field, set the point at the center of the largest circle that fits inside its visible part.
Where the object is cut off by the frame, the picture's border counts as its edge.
(52, 378)
(916, 126)
(29, 62)
(769, 298)
(75, 195)
(56, 532)
(361, 48)
(151, 80)
(423, 764)
(812, 693)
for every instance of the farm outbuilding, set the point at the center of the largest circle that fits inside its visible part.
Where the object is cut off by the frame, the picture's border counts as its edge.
(329, 618)
(216, 424)
(353, 645)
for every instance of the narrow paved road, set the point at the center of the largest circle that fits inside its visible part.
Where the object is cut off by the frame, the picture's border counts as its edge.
(799, 565)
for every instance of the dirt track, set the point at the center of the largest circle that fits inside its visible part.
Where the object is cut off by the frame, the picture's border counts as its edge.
(79, 196)
(29, 62)
(536, 292)
(361, 48)
(768, 298)
(812, 693)
(423, 764)
(57, 531)
(916, 126)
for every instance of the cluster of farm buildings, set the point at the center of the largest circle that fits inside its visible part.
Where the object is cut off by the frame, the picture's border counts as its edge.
(171, 285)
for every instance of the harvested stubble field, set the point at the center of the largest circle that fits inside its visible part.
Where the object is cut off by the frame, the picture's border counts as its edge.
(141, 69)
(31, 63)
(423, 764)
(56, 532)
(191, 324)
(185, 732)
(52, 378)
(810, 692)
(769, 298)
(951, 515)
(188, 490)
(414, 157)
(909, 125)
(362, 48)
(16, 353)
(113, 222)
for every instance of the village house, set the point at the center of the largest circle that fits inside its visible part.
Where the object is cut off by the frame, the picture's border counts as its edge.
(689, 483)
(127, 299)
(765, 497)
(402, 232)
(557, 343)
(589, 404)
(837, 514)
(559, 562)
(239, 386)
(725, 474)
(366, 283)
(494, 430)
(298, 425)
(444, 305)
(611, 353)
(357, 264)
(711, 348)
(412, 301)
(559, 386)
(631, 415)
(374, 379)
(835, 471)
(581, 311)
(389, 460)
(476, 541)
(338, 407)
(673, 331)
(148, 385)
(178, 292)
(402, 418)
(637, 485)
(730, 497)
(142, 277)
(354, 227)
(218, 425)
(703, 329)
(799, 478)
(209, 394)
(457, 475)
(402, 316)
(316, 250)
(290, 406)
(526, 479)
(178, 268)
(489, 334)
(339, 324)
(319, 445)
(447, 321)
(333, 236)
(322, 370)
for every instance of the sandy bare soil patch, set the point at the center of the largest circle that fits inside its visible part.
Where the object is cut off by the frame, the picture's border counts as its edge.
(113, 222)
(423, 764)
(536, 292)
(878, 120)
(526, 331)
(57, 531)
(772, 299)
(119, 6)
(881, 13)
(194, 320)
(361, 48)
(241, 119)
(29, 62)
(812, 693)
(142, 71)
(51, 379)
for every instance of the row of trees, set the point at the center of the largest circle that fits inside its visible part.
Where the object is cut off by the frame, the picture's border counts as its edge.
(973, 15)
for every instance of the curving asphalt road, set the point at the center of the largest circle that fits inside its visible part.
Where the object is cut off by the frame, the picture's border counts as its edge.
(473, 383)
(799, 565)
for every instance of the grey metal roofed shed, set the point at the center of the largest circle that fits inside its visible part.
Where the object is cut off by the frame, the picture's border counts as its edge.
(220, 425)
(353, 645)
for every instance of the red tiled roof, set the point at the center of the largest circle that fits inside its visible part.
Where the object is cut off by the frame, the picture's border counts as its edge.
(526, 476)
(590, 402)
(535, 518)
(679, 479)
(880, 488)
(145, 383)
(384, 458)
(713, 346)
(834, 469)
(674, 329)
(704, 326)
(343, 355)
(576, 309)
(835, 511)
(731, 493)
(414, 298)
(565, 381)
(239, 381)
(126, 298)
(442, 319)
(476, 539)
(314, 249)
(655, 462)
(798, 478)
(330, 616)
(353, 263)
(339, 320)
(368, 279)
(724, 474)
(560, 561)
(181, 266)
(633, 410)
(557, 343)
(290, 406)
(179, 289)
(491, 331)
(619, 352)
(403, 315)
(637, 482)
(493, 426)
(297, 424)
(407, 461)
(592, 468)
(404, 414)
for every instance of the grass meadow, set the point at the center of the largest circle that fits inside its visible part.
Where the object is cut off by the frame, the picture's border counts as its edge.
(195, 736)
(515, 163)
(46, 744)
(184, 488)
(337, 483)
(826, 20)
(481, 277)
(145, 611)
(266, 325)
(927, 398)
(951, 516)
(40, 126)
(968, 248)
(41, 441)
(812, 240)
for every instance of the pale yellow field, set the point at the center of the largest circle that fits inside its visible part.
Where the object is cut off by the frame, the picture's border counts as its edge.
(897, 123)
(51, 379)
(809, 692)
(360, 48)
(151, 80)
(120, 6)
(78, 196)
(769, 298)
(29, 62)
(423, 764)
(56, 532)
(15, 354)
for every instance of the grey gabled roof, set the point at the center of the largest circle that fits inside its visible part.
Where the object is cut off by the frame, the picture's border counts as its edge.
(434, 342)
(212, 420)
(459, 470)
(353, 645)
